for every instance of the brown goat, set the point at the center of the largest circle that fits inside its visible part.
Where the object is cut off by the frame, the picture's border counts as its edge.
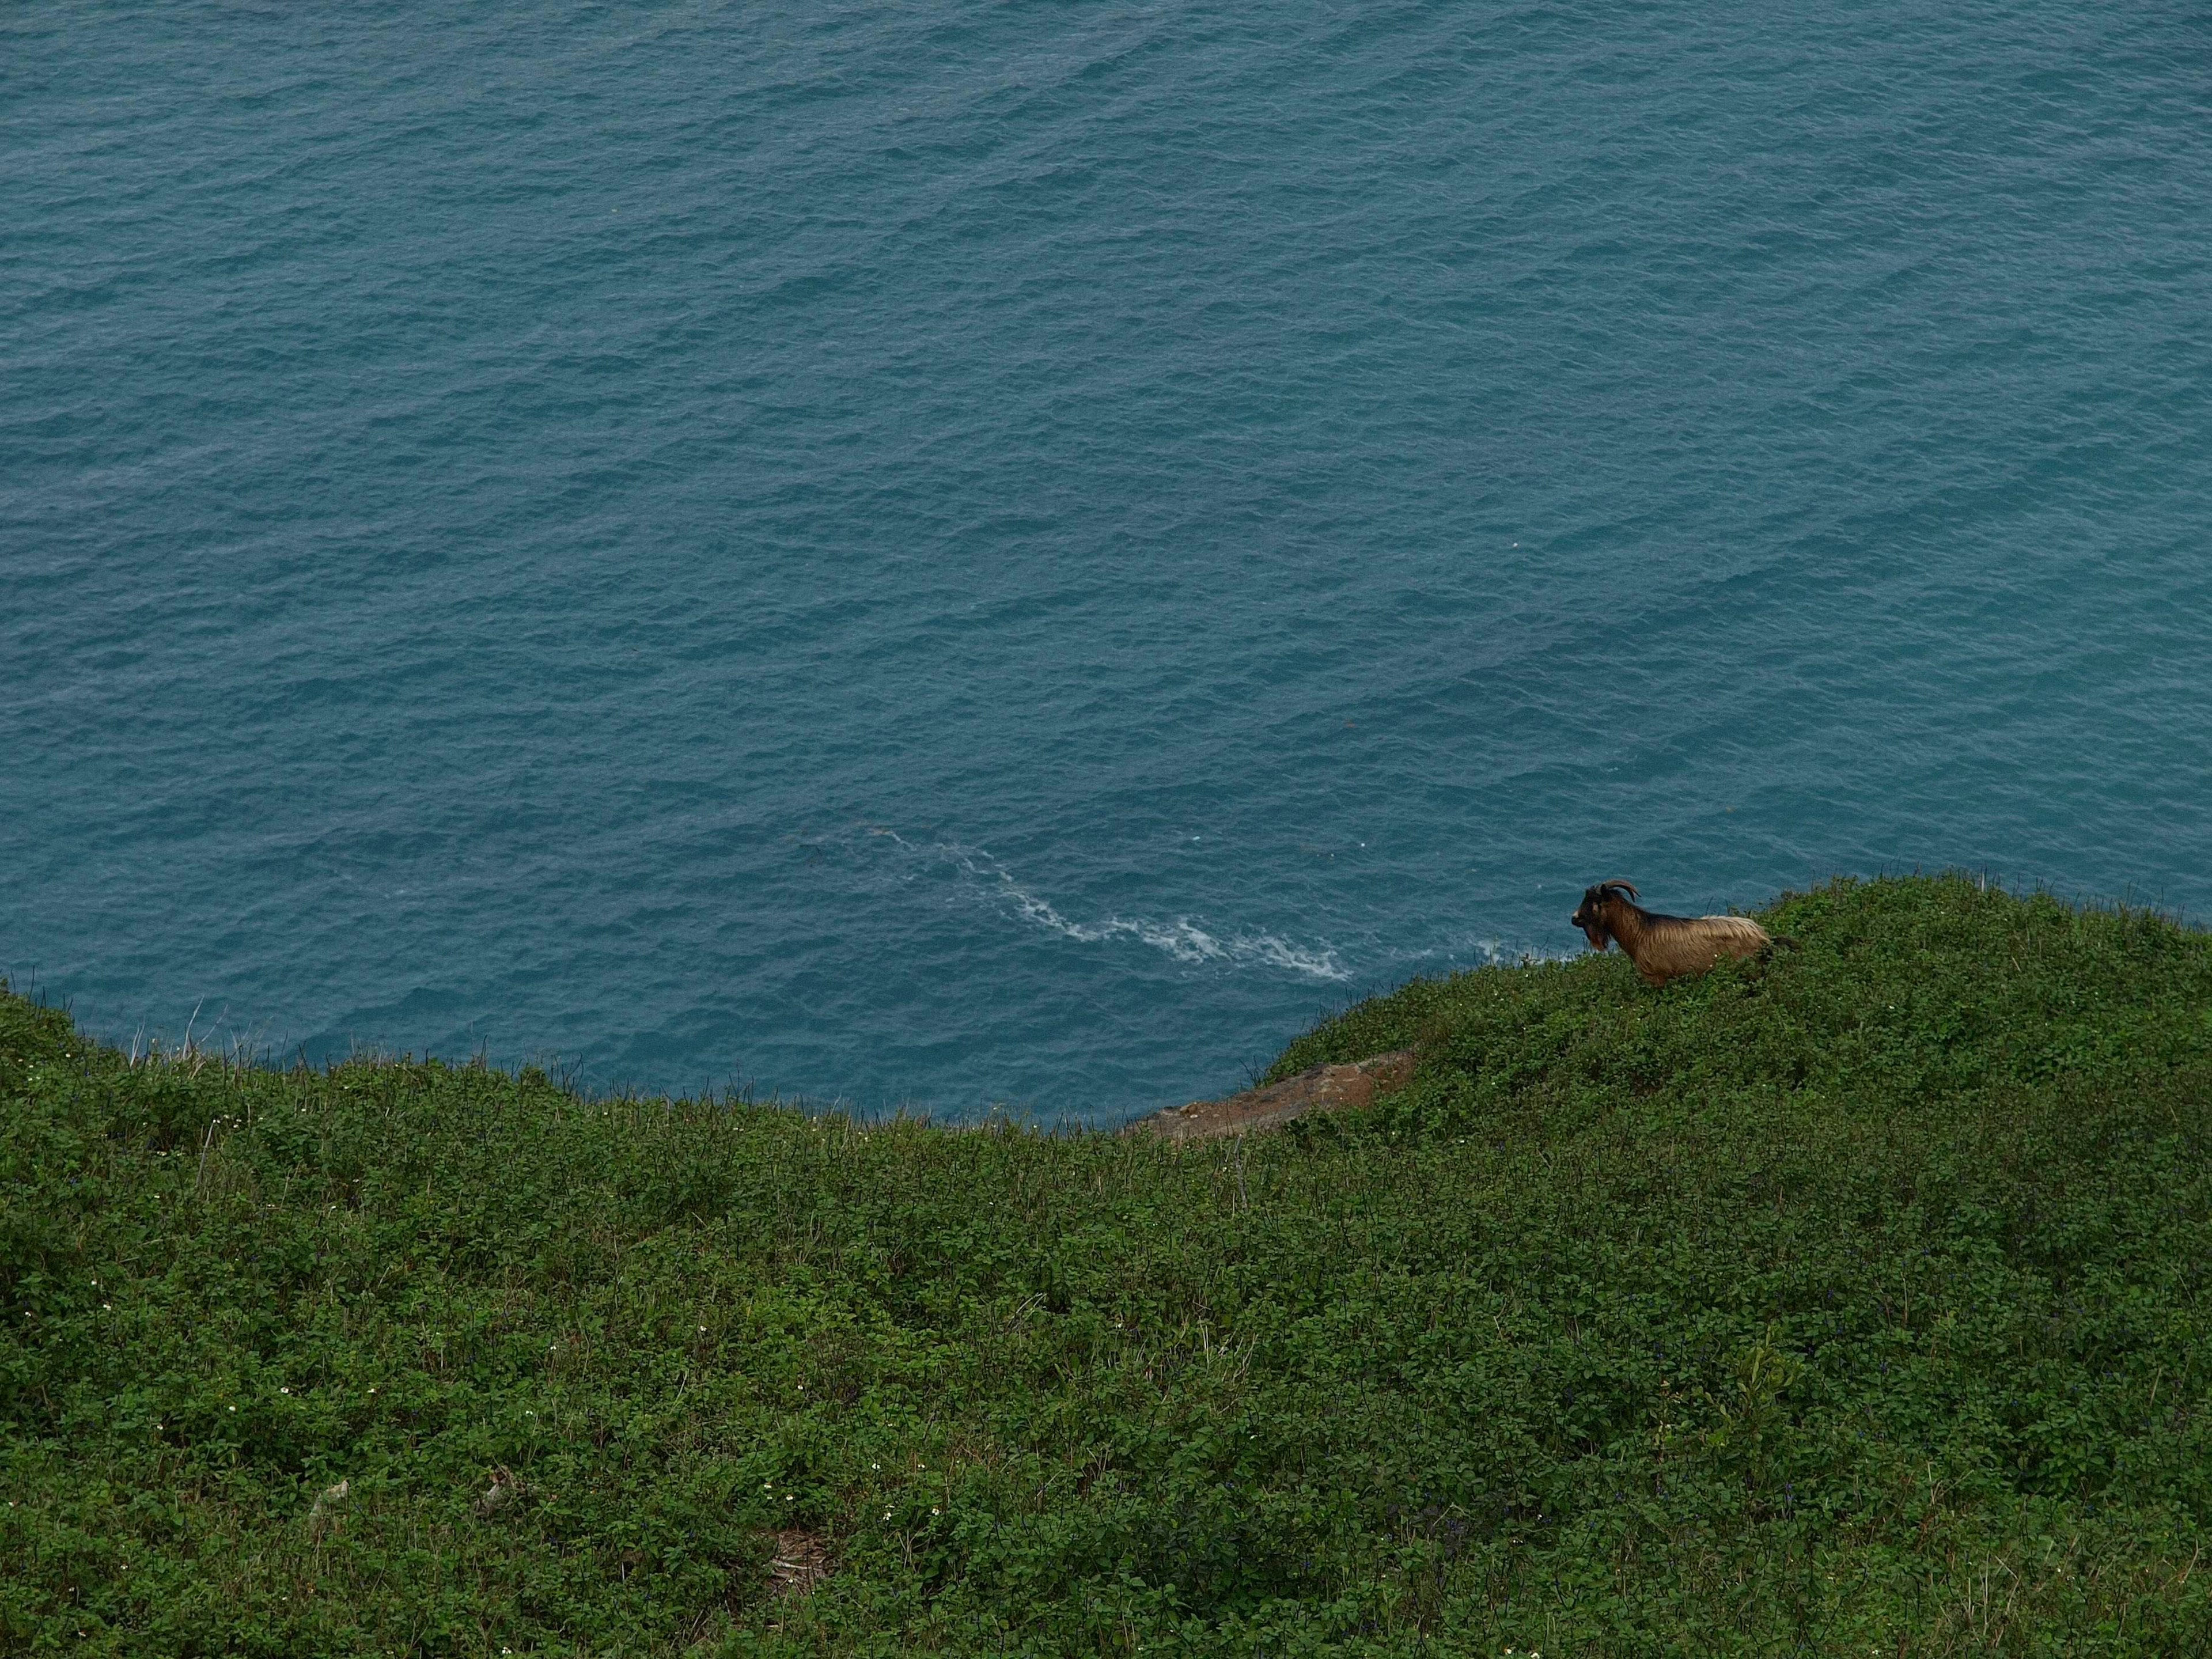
(1663, 947)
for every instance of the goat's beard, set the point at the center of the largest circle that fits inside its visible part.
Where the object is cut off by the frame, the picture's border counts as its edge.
(1598, 938)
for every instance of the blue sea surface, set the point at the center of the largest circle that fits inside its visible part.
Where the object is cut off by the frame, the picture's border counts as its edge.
(937, 555)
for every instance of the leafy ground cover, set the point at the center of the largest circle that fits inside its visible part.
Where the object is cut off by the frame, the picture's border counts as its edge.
(1852, 1301)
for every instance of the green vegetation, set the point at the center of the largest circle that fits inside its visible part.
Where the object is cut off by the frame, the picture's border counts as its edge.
(1853, 1301)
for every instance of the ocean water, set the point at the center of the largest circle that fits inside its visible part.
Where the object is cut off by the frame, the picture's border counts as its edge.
(936, 555)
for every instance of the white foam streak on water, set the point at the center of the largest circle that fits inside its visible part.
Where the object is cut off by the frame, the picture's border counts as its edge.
(1482, 952)
(1183, 939)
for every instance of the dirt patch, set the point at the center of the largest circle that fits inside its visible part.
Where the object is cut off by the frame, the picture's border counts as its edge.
(800, 1562)
(1317, 1088)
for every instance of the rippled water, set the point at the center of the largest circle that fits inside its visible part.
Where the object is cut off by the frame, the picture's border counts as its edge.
(943, 554)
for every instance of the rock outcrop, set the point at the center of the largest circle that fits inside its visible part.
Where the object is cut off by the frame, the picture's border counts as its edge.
(1317, 1088)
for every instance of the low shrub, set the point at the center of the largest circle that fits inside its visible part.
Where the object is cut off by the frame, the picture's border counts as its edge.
(1848, 1300)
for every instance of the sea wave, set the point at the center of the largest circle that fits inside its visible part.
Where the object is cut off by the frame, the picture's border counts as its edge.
(1183, 938)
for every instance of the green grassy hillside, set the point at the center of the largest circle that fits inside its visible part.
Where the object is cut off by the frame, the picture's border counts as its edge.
(1853, 1301)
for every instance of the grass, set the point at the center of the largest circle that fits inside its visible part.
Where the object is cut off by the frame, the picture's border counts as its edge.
(1852, 1302)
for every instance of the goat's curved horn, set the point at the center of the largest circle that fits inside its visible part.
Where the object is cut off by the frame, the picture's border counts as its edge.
(1627, 887)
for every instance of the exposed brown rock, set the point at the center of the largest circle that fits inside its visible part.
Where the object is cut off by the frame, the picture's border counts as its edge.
(1317, 1088)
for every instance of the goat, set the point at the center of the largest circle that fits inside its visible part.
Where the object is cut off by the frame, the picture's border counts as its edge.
(1663, 947)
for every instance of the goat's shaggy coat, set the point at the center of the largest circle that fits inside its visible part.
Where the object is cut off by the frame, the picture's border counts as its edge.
(1663, 947)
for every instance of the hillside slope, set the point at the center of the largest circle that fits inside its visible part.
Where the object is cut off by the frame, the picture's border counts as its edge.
(1851, 1300)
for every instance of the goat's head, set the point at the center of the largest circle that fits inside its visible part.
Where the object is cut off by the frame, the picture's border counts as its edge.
(1591, 914)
